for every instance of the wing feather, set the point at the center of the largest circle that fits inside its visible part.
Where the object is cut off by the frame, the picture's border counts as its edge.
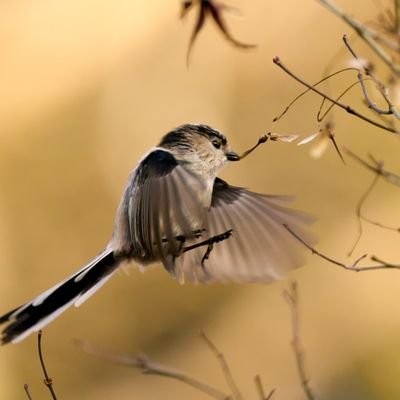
(164, 207)
(260, 249)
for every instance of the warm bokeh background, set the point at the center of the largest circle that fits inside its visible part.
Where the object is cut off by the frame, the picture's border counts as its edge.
(86, 88)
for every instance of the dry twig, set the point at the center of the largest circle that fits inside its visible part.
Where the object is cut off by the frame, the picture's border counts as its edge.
(47, 380)
(345, 107)
(351, 267)
(291, 297)
(224, 366)
(382, 89)
(273, 137)
(149, 367)
(376, 167)
(370, 36)
(358, 211)
(260, 389)
(325, 79)
(26, 388)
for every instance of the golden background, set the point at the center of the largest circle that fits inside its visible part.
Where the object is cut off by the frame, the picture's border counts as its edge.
(86, 88)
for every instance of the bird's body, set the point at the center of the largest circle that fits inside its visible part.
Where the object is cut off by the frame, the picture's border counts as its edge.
(175, 210)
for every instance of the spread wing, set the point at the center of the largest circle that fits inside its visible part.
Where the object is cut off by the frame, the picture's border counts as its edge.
(164, 205)
(260, 248)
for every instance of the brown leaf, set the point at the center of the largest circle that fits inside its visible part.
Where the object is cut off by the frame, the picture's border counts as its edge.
(212, 10)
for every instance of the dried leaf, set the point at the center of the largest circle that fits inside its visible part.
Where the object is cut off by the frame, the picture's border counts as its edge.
(282, 138)
(212, 10)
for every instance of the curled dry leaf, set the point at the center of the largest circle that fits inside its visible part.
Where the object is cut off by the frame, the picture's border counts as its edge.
(321, 140)
(213, 10)
(276, 137)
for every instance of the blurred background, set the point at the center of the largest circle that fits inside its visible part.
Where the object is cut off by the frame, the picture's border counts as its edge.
(86, 88)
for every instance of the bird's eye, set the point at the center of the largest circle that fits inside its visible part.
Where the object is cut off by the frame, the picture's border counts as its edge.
(216, 144)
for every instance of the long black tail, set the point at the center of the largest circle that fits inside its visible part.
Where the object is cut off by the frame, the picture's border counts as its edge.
(36, 314)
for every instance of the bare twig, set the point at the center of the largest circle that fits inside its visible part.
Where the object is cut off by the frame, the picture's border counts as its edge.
(261, 140)
(382, 89)
(320, 115)
(149, 367)
(326, 78)
(26, 388)
(224, 366)
(273, 137)
(47, 380)
(381, 225)
(367, 34)
(397, 15)
(345, 107)
(375, 167)
(360, 204)
(260, 389)
(291, 297)
(351, 267)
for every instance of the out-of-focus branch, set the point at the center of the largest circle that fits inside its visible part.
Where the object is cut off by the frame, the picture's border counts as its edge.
(367, 34)
(149, 367)
(358, 211)
(350, 267)
(397, 15)
(291, 297)
(26, 388)
(224, 366)
(376, 167)
(345, 107)
(260, 389)
(47, 380)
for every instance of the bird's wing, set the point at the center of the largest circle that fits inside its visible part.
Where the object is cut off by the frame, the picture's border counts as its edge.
(164, 205)
(260, 249)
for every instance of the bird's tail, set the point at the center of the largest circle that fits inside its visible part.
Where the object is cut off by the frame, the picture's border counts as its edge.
(33, 316)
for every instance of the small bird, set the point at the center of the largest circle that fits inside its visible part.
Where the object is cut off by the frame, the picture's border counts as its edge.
(176, 211)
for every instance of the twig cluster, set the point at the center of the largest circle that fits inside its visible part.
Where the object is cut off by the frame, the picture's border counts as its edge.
(149, 367)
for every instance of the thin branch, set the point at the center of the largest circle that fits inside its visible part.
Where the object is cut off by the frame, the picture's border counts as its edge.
(260, 389)
(351, 267)
(367, 34)
(321, 117)
(47, 380)
(382, 89)
(273, 137)
(291, 297)
(375, 167)
(26, 388)
(381, 225)
(149, 367)
(307, 90)
(370, 103)
(261, 140)
(224, 366)
(397, 15)
(345, 107)
(360, 204)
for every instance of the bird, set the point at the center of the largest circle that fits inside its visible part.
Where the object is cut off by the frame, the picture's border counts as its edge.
(176, 211)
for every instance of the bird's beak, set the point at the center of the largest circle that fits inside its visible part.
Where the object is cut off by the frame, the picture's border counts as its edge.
(232, 156)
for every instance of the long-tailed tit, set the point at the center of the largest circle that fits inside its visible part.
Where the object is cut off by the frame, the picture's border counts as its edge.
(174, 210)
